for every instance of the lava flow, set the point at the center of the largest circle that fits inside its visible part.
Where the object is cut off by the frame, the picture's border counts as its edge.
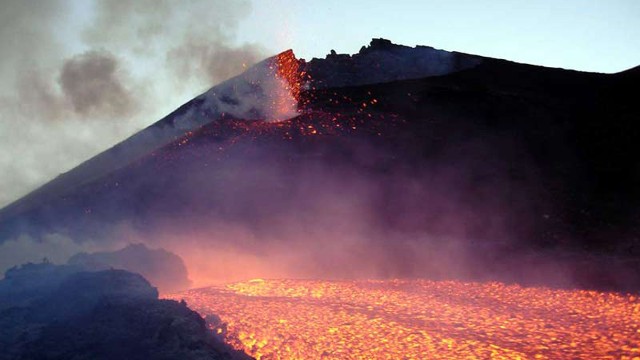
(419, 319)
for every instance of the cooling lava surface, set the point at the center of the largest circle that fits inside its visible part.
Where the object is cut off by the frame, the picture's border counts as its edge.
(418, 319)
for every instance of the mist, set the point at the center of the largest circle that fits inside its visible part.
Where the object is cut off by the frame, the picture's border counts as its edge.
(336, 215)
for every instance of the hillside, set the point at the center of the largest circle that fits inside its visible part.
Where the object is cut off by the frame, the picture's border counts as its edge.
(485, 162)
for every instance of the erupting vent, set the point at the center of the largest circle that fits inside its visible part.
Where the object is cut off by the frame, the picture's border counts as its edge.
(288, 68)
(419, 319)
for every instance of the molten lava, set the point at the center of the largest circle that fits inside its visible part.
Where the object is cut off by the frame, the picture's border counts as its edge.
(287, 69)
(419, 319)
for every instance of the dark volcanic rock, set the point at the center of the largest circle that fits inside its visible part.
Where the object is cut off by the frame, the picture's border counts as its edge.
(109, 314)
(159, 329)
(162, 268)
(382, 61)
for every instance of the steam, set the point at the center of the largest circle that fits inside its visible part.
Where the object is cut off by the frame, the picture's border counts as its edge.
(259, 93)
(215, 61)
(194, 38)
(72, 87)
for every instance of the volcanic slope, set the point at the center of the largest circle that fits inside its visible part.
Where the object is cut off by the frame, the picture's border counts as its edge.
(513, 156)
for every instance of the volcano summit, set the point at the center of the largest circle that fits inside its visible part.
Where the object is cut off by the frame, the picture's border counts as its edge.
(393, 162)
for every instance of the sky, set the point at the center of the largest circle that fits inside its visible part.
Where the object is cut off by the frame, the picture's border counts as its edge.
(588, 35)
(77, 77)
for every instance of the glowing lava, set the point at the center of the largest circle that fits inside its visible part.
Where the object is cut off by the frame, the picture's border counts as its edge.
(287, 70)
(419, 319)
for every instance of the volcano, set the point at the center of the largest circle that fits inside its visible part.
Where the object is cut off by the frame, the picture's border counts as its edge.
(368, 164)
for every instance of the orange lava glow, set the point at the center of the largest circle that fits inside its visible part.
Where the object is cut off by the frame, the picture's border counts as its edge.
(287, 68)
(419, 319)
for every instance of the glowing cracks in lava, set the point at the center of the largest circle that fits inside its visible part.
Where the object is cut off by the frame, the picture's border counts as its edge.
(419, 319)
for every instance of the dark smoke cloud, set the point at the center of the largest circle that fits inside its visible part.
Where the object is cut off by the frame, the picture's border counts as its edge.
(93, 84)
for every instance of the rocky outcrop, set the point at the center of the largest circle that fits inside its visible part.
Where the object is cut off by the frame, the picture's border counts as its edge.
(382, 61)
(24, 284)
(112, 314)
(162, 268)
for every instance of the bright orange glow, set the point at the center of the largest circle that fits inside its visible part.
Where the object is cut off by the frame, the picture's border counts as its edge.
(419, 319)
(287, 68)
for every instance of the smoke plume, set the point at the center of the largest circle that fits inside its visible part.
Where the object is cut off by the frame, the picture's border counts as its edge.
(78, 78)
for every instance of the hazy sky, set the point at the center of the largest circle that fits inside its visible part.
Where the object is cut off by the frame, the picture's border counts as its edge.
(79, 76)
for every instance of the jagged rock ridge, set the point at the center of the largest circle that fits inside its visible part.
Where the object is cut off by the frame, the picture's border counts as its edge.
(382, 61)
